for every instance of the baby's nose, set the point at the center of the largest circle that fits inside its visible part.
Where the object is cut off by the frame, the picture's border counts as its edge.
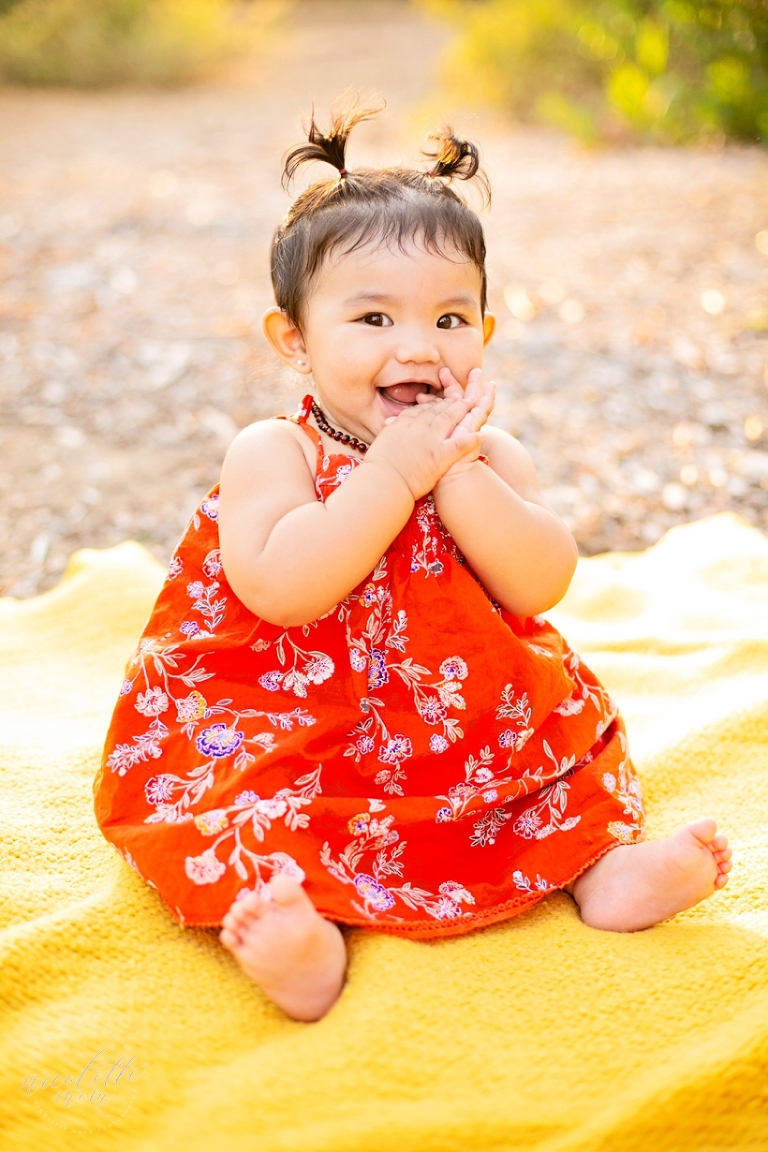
(417, 348)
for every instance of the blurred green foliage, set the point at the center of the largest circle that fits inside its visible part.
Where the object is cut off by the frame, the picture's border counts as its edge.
(94, 43)
(665, 70)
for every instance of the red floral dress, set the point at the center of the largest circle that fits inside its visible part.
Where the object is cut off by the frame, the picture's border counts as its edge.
(423, 761)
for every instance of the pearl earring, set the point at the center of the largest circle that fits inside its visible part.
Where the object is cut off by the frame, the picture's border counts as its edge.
(301, 362)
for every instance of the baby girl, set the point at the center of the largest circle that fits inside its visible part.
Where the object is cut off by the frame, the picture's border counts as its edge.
(347, 707)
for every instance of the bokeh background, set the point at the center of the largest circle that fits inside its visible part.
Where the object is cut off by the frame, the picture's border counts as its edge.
(140, 160)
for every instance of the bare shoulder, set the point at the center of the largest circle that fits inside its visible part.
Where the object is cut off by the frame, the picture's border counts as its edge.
(265, 475)
(275, 450)
(509, 460)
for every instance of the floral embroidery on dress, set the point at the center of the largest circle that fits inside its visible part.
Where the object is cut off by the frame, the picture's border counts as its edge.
(205, 602)
(427, 549)
(210, 506)
(588, 691)
(517, 709)
(317, 667)
(259, 813)
(215, 742)
(625, 786)
(370, 651)
(146, 745)
(378, 836)
(547, 815)
(524, 884)
(212, 564)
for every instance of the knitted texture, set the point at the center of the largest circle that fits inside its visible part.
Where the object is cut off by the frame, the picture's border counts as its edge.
(538, 1033)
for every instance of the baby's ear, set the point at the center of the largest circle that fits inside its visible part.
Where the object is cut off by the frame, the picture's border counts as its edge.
(285, 339)
(489, 327)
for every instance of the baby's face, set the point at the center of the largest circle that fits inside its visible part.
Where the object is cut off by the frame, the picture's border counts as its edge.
(380, 324)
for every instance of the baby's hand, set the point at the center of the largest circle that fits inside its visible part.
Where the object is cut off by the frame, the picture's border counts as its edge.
(482, 399)
(425, 441)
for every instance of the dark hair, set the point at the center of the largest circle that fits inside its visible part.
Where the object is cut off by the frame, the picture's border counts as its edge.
(389, 205)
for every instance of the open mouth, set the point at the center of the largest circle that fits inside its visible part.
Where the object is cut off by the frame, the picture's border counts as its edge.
(400, 396)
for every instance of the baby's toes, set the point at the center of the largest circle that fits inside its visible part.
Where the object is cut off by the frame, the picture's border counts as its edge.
(237, 916)
(255, 912)
(249, 905)
(229, 937)
(721, 880)
(719, 843)
(252, 906)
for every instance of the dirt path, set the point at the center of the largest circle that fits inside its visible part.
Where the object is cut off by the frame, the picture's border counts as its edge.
(134, 229)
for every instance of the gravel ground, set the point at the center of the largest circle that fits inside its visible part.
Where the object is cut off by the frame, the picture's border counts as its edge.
(630, 287)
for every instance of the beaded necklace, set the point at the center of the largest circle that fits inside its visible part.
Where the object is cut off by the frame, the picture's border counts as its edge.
(336, 433)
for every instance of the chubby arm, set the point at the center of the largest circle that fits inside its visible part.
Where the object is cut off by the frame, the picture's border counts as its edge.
(288, 556)
(517, 546)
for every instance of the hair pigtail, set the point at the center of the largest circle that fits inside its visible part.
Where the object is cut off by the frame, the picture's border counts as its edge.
(330, 147)
(454, 158)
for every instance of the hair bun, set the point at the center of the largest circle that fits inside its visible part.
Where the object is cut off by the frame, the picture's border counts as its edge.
(330, 147)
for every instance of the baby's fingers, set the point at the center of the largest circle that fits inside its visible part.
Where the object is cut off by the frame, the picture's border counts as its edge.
(455, 413)
(473, 389)
(462, 444)
(452, 390)
(478, 415)
(487, 400)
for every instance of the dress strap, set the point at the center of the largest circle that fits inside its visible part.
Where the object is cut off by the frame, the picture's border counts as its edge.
(300, 417)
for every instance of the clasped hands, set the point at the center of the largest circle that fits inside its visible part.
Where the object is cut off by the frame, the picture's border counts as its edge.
(439, 438)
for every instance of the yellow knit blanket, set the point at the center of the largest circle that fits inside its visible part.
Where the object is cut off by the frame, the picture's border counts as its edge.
(124, 1032)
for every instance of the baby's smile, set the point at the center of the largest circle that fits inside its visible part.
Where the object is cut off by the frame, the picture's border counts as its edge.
(380, 326)
(396, 397)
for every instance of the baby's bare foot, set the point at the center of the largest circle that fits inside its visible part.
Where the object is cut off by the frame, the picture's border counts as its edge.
(282, 942)
(635, 886)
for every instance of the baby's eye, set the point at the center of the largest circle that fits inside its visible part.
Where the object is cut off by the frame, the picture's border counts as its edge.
(450, 320)
(377, 319)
